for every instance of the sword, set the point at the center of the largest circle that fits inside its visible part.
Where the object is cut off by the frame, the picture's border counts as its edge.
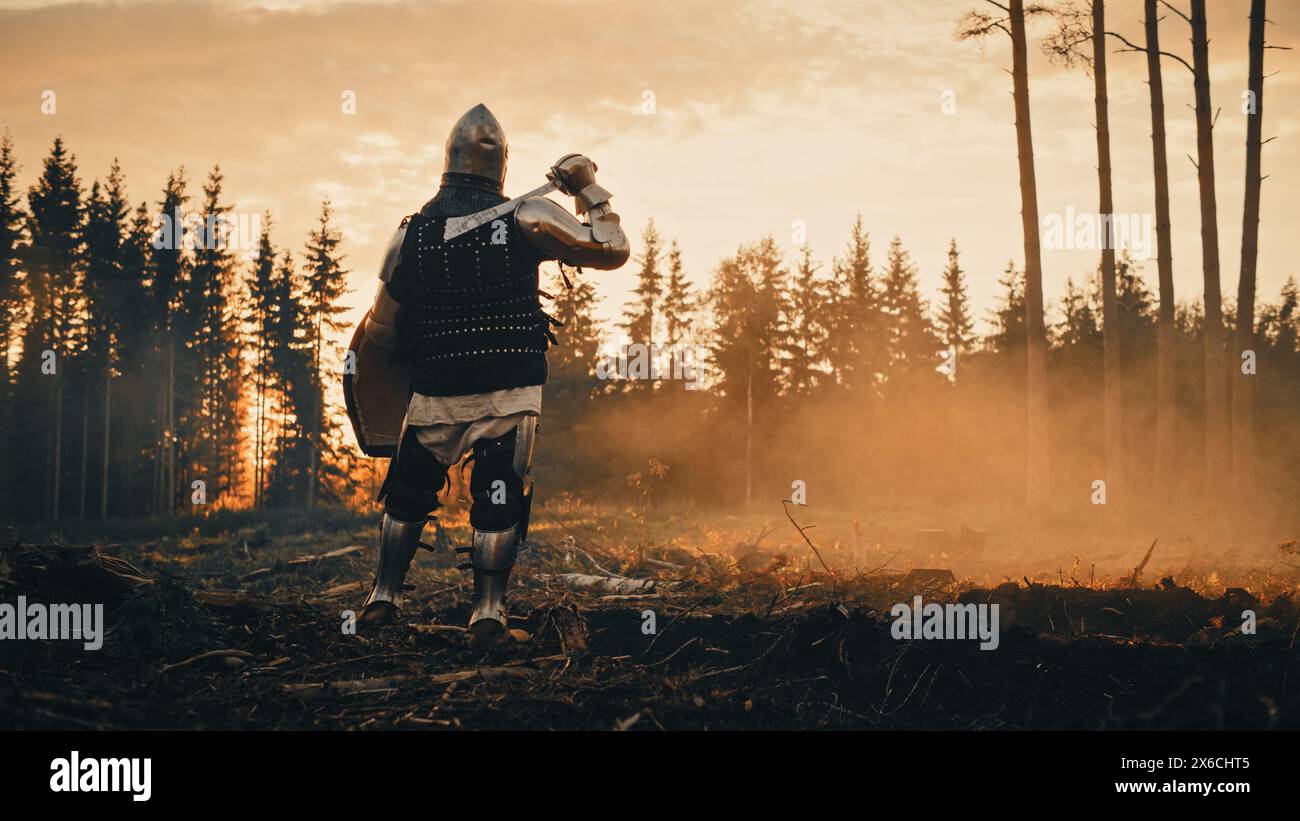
(460, 225)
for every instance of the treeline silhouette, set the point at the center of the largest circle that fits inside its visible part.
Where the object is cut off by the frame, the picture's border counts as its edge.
(148, 370)
(135, 368)
(850, 380)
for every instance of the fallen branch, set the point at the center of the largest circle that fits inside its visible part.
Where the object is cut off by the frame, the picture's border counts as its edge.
(674, 653)
(676, 618)
(235, 603)
(343, 589)
(57, 572)
(333, 554)
(211, 654)
(339, 688)
(785, 505)
(332, 689)
(484, 673)
(1137, 571)
(299, 561)
(605, 584)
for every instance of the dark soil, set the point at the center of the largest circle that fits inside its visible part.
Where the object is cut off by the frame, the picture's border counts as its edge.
(732, 649)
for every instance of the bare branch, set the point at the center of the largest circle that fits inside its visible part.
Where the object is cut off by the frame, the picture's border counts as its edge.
(1073, 29)
(1144, 50)
(975, 25)
(785, 505)
(1171, 7)
(1127, 42)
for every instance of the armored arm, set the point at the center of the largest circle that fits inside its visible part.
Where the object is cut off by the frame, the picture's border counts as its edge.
(557, 235)
(381, 319)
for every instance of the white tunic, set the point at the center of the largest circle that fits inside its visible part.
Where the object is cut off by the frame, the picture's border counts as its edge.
(448, 426)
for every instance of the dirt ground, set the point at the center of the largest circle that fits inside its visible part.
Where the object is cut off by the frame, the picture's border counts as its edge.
(247, 629)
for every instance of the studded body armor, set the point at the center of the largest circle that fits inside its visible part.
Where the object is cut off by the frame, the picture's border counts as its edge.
(470, 321)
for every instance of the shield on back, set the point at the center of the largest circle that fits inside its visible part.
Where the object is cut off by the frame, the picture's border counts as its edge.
(375, 391)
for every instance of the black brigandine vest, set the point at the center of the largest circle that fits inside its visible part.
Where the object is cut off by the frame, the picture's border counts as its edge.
(470, 320)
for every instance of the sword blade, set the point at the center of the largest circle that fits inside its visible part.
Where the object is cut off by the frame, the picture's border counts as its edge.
(460, 225)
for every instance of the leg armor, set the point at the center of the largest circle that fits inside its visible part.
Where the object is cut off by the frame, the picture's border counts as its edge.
(502, 491)
(397, 546)
(409, 494)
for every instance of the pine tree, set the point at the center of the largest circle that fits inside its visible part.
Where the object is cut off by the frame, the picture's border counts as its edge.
(12, 219)
(231, 425)
(747, 300)
(136, 406)
(1136, 306)
(1278, 323)
(1079, 328)
(169, 274)
(52, 261)
(213, 430)
(260, 318)
(804, 344)
(292, 384)
(325, 284)
(107, 215)
(1008, 318)
(856, 344)
(639, 315)
(911, 343)
(679, 302)
(573, 362)
(11, 236)
(956, 327)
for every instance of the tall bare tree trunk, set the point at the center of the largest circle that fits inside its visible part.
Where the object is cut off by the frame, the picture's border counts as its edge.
(159, 425)
(259, 449)
(317, 412)
(85, 452)
(56, 454)
(749, 435)
(1217, 445)
(1243, 389)
(169, 486)
(311, 481)
(1114, 405)
(1037, 435)
(128, 463)
(5, 405)
(1166, 361)
(108, 420)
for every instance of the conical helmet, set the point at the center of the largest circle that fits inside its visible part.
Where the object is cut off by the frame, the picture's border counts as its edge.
(477, 145)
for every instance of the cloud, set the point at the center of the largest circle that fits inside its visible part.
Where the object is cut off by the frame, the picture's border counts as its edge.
(765, 112)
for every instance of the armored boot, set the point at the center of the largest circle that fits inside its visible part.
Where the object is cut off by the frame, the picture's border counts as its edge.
(491, 558)
(398, 543)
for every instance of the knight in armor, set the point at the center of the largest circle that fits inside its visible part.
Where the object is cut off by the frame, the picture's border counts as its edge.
(463, 314)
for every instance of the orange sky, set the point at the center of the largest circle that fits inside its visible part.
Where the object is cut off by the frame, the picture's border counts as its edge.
(765, 113)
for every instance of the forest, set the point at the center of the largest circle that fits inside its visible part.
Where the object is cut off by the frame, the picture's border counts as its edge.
(1116, 467)
(135, 371)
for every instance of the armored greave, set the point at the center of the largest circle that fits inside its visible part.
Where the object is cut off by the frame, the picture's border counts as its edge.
(491, 558)
(500, 519)
(397, 546)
